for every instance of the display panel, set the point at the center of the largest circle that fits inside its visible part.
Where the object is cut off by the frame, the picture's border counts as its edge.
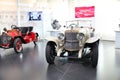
(35, 16)
(84, 12)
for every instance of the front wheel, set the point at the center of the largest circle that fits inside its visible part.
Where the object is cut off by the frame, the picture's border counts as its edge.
(94, 54)
(50, 53)
(18, 45)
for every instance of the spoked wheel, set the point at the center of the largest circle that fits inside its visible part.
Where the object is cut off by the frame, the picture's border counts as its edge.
(50, 53)
(18, 45)
(36, 39)
(94, 54)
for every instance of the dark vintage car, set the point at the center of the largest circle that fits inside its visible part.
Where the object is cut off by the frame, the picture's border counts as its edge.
(78, 42)
(17, 36)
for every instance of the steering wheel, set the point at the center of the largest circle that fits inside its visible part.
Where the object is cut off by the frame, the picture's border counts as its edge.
(5, 29)
(14, 27)
(73, 25)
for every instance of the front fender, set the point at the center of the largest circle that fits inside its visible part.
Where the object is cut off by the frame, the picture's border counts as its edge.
(23, 41)
(53, 39)
(92, 39)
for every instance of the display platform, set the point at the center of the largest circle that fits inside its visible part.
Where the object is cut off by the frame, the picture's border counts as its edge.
(117, 39)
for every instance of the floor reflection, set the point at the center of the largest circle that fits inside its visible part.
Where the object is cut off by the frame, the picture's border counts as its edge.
(23, 66)
(117, 62)
(64, 69)
(32, 65)
(107, 65)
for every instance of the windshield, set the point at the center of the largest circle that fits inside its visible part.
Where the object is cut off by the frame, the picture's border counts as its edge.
(73, 26)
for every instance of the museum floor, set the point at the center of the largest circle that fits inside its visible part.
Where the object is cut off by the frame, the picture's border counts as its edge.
(32, 65)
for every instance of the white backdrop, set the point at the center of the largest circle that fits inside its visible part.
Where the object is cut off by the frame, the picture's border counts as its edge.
(107, 15)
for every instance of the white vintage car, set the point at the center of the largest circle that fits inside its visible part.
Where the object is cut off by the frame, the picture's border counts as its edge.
(78, 42)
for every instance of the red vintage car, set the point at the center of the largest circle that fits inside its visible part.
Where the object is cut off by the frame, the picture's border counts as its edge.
(17, 36)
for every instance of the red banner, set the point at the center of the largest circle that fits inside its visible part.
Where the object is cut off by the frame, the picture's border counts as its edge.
(84, 12)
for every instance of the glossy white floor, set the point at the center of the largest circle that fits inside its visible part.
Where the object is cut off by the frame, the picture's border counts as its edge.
(107, 66)
(32, 65)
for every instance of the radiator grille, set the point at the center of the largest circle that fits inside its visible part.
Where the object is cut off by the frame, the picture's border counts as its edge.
(71, 42)
(4, 39)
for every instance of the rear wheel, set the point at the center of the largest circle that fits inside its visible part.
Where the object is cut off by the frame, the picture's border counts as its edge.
(18, 45)
(36, 39)
(94, 54)
(50, 53)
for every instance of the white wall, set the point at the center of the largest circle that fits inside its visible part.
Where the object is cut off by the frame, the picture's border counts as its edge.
(107, 16)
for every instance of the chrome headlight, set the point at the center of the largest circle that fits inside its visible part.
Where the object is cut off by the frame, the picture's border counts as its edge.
(80, 36)
(9, 38)
(61, 36)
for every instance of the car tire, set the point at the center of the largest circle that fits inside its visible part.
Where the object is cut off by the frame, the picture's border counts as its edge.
(50, 54)
(36, 39)
(94, 54)
(18, 45)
